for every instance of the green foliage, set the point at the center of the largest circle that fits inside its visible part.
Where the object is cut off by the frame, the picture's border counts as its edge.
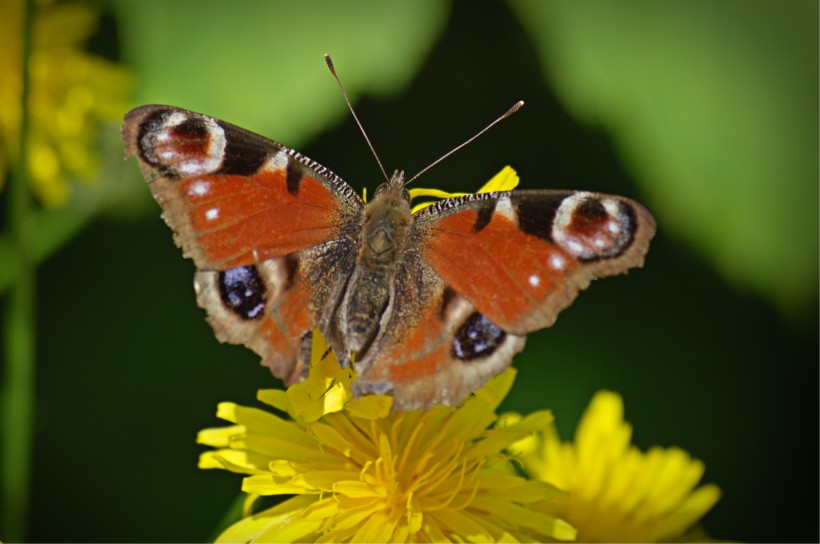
(714, 107)
(259, 64)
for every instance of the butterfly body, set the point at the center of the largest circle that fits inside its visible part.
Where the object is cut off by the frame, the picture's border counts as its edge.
(381, 246)
(426, 306)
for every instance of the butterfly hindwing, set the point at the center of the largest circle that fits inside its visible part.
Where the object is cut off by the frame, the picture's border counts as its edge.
(443, 350)
(259, 306)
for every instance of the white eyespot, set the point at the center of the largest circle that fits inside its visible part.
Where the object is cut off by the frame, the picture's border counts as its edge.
(212, 214)
(535, 280)
(557, 261)
(212, 159)
(199, 188)
(612, 206)
(562, 221)
(580, 228)
(504, 207)
(575, 247)
(176, 118)
(279, 161)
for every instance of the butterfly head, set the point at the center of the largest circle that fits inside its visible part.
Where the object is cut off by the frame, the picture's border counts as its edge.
(394, 188)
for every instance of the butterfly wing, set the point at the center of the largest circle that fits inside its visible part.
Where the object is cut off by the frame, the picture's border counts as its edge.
(436, 347)
(495, 267)
(522, 256)
(267, 228)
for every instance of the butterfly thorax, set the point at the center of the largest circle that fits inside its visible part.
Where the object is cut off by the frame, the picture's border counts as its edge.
(386, 220)
(383, 238)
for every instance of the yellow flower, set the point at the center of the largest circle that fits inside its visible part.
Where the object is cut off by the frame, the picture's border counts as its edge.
(70, 90)
(361, 473)
(616, 492)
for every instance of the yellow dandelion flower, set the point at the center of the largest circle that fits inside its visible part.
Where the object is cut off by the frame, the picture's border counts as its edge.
(361, 473)
(616, 492)
(70, 91)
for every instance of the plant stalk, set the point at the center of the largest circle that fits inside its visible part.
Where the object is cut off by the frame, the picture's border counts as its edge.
(17, 399)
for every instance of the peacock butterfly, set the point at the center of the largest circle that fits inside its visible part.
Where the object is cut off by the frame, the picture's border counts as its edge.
(425, 305)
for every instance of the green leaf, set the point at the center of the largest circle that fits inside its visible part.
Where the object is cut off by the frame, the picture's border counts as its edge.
(259, 64)
(713, 105)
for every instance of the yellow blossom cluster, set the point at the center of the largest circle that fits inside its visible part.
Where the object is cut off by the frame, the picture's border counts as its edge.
(355, 471)
(70, 91)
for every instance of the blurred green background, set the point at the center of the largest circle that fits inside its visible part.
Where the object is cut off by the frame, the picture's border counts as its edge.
(705, 111)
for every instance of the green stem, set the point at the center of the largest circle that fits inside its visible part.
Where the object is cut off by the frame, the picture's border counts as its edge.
(231, 516)
(17, 407)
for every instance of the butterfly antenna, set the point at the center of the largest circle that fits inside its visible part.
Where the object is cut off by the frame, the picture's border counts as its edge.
(350, 107)
(509, 112)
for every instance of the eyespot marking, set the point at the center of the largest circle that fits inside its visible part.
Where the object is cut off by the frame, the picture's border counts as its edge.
(181, 144)
(243, 292)
(592, 228)
(477, 338)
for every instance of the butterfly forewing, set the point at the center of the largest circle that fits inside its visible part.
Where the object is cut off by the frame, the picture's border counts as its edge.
(232, 197)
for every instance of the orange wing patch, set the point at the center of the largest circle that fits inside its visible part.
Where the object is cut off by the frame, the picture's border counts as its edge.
(236, 221)
(507, 274)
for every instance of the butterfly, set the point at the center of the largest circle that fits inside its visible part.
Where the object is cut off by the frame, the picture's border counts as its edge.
(426, 306)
